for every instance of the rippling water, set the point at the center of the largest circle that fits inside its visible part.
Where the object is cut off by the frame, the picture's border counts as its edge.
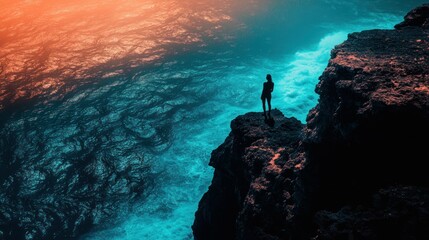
(159, 81)
(47, 46)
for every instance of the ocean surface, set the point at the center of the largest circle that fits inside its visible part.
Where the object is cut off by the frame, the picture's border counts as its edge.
(161, 80)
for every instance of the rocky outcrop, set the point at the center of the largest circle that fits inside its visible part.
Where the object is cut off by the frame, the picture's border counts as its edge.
(373, 113)
(242, 201)
(359, 170)
(418, 17)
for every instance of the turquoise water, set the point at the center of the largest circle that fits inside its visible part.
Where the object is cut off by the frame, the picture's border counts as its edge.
(182, 101)
(233, 87)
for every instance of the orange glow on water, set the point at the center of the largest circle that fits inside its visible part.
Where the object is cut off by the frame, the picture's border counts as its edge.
(47, 45)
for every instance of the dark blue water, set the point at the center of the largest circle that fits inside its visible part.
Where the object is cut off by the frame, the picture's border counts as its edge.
(173, 110)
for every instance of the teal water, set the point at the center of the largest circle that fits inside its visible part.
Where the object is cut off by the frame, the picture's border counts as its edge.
(232, 85)
(182, 103)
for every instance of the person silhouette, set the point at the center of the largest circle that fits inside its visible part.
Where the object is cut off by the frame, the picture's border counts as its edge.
(266, 94)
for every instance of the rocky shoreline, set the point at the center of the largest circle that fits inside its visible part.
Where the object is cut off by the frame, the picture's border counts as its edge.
(355, 171)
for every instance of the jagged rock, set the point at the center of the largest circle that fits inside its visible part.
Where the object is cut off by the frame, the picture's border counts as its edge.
(419, 17)
(250, 195)
(370, 126)
(368, 132)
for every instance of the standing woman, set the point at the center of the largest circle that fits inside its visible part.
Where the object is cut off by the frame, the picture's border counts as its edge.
(266, 94)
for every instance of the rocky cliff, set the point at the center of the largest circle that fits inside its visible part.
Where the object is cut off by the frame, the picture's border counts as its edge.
(255, 169)
(355, 171)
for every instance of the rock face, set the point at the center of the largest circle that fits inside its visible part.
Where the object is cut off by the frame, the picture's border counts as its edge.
(242, 201)
(373, 113)
(358, 170)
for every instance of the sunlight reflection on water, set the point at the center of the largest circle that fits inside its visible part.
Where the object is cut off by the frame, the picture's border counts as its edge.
(46, 46)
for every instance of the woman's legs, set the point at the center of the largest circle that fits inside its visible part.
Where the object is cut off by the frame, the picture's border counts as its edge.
(269, 106)
(263, 106)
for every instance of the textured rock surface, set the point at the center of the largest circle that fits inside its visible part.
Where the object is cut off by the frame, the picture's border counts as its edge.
(358, 172)
(367, 130)
(419, 17)
(242, 201)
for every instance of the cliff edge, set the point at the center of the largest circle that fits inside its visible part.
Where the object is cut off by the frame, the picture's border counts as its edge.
(355, 171)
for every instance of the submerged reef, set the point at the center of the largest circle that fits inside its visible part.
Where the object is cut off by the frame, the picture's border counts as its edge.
(63, 196)
(355, 171)
(59, 179)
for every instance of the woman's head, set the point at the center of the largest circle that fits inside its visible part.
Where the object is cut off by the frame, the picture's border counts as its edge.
(269, 78)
